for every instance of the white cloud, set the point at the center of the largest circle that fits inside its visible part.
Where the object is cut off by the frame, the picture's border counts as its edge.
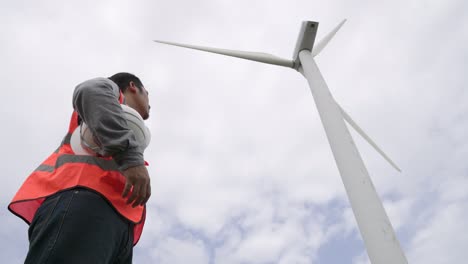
(399, 212)
(361, 259)
(274, 234)
(177, 251)
(442, 239)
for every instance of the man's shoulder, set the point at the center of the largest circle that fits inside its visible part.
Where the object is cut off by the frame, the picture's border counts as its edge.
(98, 82)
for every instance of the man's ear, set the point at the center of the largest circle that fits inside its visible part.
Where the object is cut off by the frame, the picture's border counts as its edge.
(132, 87)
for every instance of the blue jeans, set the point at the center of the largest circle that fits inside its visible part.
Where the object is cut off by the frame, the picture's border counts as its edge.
(79, 226)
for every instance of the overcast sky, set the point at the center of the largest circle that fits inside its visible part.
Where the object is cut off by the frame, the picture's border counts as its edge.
(241, 168)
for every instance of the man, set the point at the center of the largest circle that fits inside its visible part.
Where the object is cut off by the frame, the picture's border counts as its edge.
(90, 209)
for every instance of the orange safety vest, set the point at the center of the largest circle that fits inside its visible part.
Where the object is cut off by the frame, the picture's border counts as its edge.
(64, 170)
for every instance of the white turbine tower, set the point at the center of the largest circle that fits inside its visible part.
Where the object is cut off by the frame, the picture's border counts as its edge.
(375, 227)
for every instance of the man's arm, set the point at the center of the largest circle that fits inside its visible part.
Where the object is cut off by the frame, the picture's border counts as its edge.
(97, 104)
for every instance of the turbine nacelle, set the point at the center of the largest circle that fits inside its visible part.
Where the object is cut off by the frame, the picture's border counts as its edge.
(305, 40)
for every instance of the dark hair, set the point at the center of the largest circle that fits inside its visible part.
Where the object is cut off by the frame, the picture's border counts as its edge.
(123, 79)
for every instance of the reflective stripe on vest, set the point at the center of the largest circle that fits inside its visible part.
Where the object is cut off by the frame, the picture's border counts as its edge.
(64, 170)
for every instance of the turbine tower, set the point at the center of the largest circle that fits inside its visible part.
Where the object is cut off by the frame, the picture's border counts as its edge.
(375, 227)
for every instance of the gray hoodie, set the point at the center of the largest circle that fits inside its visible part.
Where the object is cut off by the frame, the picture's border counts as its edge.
(97, 103)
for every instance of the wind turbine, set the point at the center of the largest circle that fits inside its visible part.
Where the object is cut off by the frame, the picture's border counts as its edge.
(375, 227)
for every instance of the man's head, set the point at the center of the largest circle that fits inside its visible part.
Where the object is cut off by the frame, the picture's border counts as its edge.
(136, 96)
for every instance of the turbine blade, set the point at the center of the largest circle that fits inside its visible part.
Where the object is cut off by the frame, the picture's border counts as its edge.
(323, 42)
(367, 138)
(254, 56)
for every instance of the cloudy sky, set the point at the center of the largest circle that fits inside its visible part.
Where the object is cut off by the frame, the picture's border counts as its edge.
(241, 168)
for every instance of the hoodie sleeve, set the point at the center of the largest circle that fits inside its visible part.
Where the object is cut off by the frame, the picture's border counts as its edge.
(97, 103)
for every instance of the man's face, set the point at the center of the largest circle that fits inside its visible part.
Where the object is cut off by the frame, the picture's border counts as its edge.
(138, 100)
(143, 97)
